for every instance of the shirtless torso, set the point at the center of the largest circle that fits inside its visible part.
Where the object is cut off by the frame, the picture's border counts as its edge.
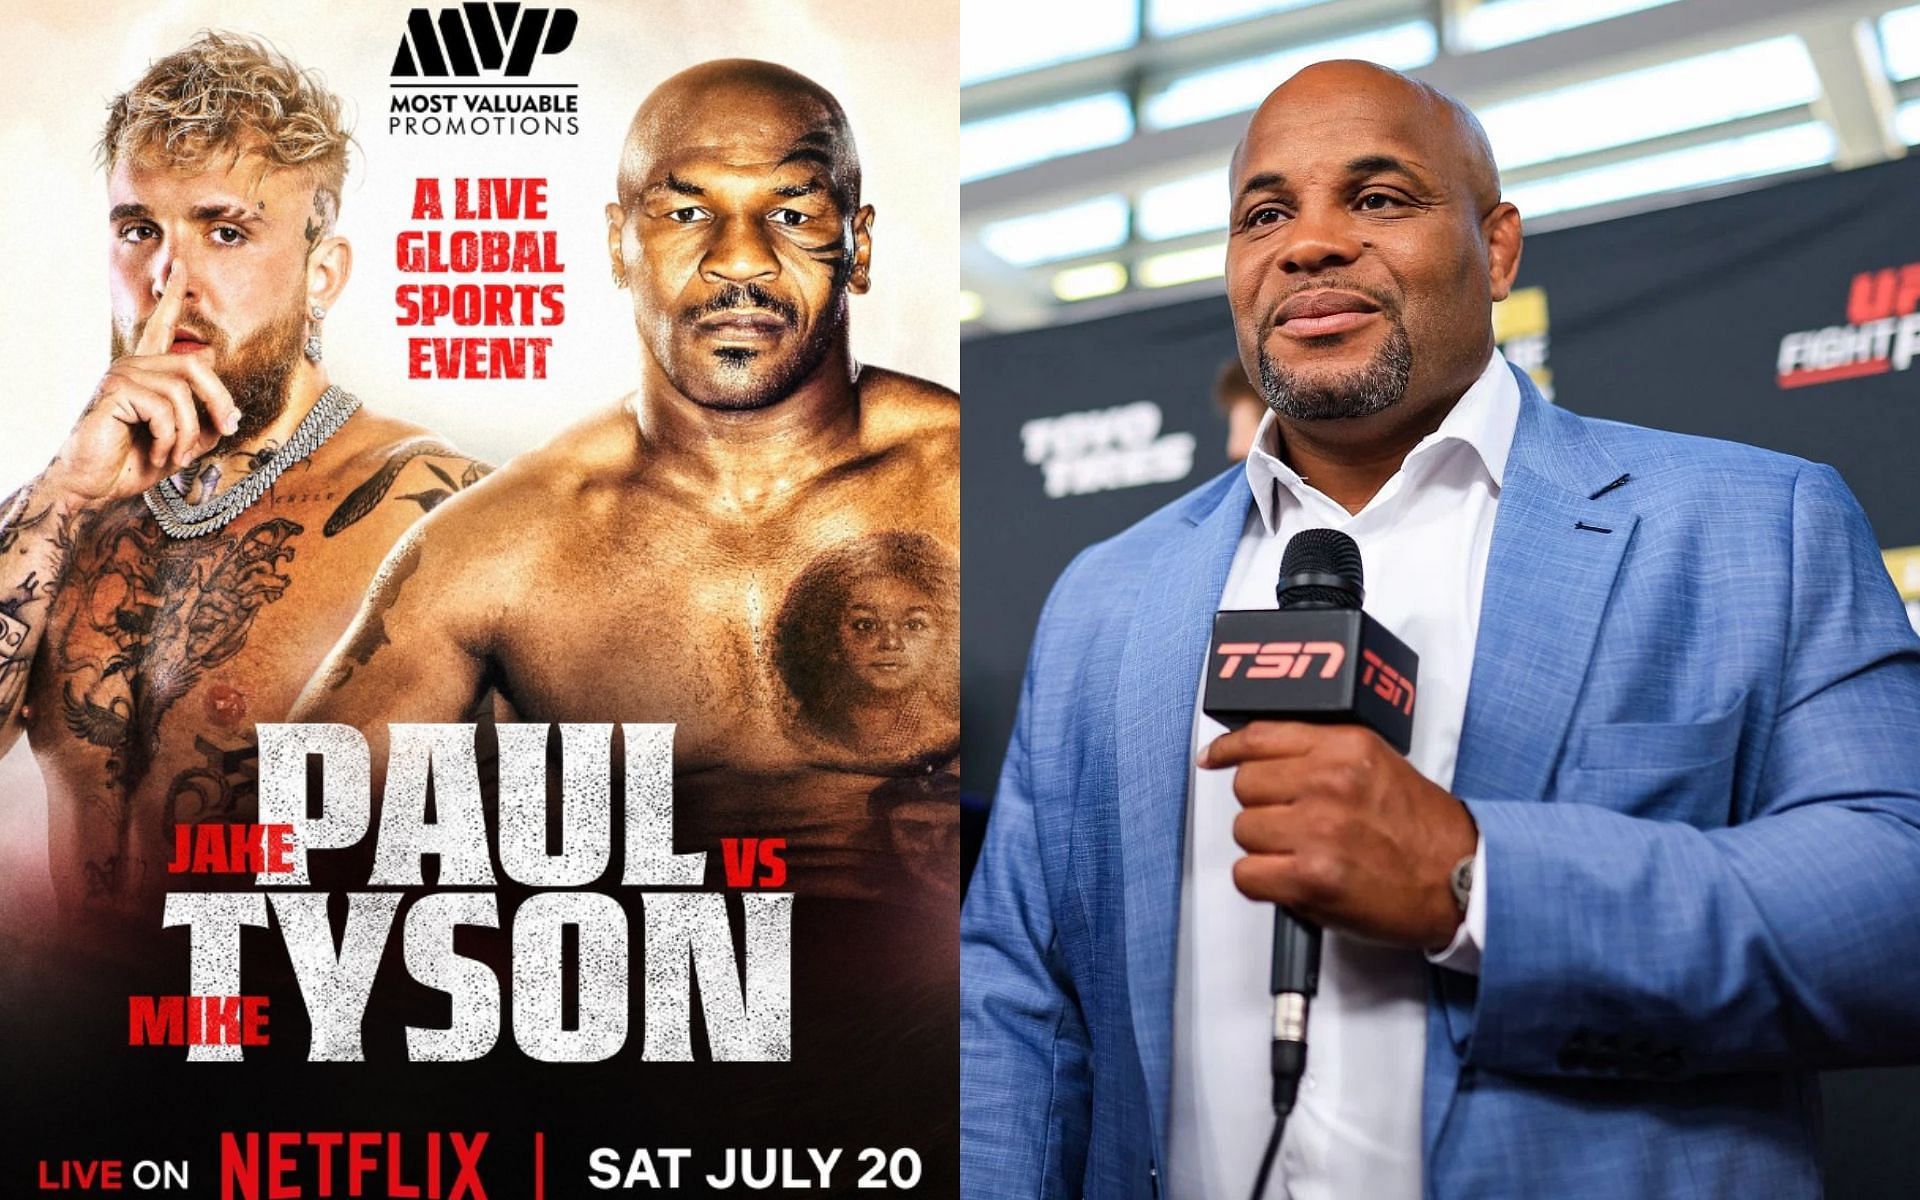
(161, 654)
(803, 641)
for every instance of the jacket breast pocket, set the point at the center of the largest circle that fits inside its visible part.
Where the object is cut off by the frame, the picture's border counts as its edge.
(1673, 771)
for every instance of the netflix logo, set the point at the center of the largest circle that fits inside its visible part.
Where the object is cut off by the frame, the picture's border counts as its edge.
(322, 1164)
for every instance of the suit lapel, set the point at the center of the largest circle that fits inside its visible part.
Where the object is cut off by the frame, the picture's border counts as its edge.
(1550, 571)
(1159, 682)
(1562, 531)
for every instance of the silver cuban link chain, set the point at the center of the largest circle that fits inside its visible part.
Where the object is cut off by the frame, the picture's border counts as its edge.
(180, 519)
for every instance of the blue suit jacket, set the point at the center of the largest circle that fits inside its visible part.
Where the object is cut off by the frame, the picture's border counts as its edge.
(1692, 744)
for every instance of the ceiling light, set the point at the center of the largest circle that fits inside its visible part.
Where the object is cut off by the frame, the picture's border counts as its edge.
(1070, 232)
(1094, 279)
(1182, 266)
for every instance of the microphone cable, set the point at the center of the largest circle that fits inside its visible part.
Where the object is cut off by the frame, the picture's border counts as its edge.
(1266, 1160)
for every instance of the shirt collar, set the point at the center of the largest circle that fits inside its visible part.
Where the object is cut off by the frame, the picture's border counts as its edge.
(1483, 419)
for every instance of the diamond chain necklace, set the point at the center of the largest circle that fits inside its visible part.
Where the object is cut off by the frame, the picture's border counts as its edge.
(180, 519)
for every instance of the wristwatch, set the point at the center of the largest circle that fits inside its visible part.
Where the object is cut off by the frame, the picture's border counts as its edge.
(1461, 881)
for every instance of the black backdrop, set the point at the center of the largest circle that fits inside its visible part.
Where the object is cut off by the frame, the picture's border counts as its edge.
(1680, 319)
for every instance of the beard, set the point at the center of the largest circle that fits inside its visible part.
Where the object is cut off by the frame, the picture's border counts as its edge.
(256, 371)
(740, 379)
(1374, 387)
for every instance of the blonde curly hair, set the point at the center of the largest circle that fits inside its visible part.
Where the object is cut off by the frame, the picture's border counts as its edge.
(229, 95)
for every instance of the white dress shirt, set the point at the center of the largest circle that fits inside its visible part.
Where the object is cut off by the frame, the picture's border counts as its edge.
(1354, 1133)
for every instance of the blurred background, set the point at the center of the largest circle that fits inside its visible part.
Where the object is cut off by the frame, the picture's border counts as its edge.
(1720, 216)
(1095, 133)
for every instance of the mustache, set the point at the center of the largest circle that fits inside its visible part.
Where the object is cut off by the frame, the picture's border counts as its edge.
(1388, 305)
(742, 295)
(195, 320)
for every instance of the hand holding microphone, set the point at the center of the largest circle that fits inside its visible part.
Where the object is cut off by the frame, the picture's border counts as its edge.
(1341, 830)
(1338, 826)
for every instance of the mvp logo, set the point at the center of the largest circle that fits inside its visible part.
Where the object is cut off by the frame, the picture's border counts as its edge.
(1281, 660)
(481, 37)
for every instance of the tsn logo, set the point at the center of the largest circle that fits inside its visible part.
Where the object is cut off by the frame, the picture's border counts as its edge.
(1280, 660)
(1388, 684)
(481, 37)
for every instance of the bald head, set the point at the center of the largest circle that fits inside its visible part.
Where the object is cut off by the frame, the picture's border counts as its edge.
(741, 106)
(1463, 151)
(740, 233)
(1366, 245)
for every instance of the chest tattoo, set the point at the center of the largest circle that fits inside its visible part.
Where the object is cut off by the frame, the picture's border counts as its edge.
(148, 617)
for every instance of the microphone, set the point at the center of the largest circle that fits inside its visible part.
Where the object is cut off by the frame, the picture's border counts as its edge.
(1318, 658)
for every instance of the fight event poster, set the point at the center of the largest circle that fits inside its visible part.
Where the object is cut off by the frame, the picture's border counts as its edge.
(546, 785)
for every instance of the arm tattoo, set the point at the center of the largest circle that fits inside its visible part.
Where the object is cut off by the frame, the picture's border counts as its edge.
(17, 517)
(34, 591)
(371, 632)
(13, 642)
(365, 498)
